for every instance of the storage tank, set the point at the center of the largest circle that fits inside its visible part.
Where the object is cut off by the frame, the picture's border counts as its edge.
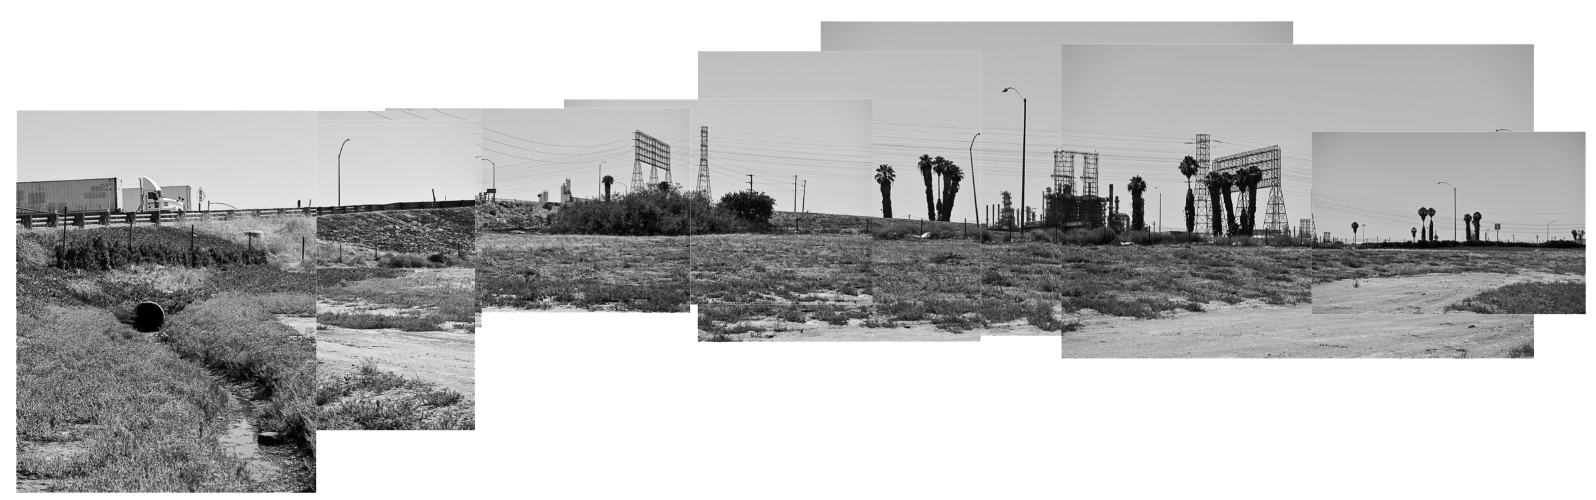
(72, 196)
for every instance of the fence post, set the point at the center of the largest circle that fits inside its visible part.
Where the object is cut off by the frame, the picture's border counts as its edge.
(191, 261)
(301, 248)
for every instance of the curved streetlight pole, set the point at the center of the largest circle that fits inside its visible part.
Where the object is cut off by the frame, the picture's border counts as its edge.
(340, 172)
(494, 188)
(973, 190)
(1024, 121)
(1454, 208)
(1549, 231)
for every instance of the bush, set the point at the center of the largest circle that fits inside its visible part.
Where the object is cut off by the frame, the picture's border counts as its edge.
(748, 206)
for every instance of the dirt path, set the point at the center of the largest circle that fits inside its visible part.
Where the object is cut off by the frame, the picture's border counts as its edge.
(1422, 294)
(1295, 332)
(443, 358)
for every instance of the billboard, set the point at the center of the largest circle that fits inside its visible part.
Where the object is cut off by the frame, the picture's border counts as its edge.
(651, 151)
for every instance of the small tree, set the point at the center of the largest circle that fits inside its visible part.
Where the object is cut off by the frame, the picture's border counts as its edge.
(749, 206)
(1354, 233)
(1415, 232)
(1136, 187)
(885, 177)
(607, 181)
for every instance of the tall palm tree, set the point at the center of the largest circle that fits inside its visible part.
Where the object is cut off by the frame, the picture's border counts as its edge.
(952, 175)
(1226, 181)
(1254, 177)
(885, 176)
(1468, 227)
(607, 181)
(1476, 226)
(1136, 186)
(1424, 212)
(1216, 212)
(1431, 212)
(1354, 233)
(938, 166)
(925, 172)
(1188, 168)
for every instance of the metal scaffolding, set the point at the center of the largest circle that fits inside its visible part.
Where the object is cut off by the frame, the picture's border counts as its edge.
(703, 161)
(1201, 196)
(1268, 160)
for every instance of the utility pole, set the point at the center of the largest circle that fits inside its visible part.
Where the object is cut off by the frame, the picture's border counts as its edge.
(341, 172)
(750, 183)
(795, 194)
(805, 205)
(973, 191)
(1024, 123)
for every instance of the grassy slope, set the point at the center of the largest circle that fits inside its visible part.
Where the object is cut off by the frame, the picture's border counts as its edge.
(372, 399)
(447, 230)
(1561, 297)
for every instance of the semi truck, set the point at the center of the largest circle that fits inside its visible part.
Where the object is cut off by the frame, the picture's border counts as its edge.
(97, 195)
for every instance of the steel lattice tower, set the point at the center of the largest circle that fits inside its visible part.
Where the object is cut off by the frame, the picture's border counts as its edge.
(1268, 160)
(703, 161)
(1063, 171)
(637, 162)
(1200, 194)
(1089, 174)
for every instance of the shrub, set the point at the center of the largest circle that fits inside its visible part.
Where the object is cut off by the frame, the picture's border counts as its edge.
(748, 206)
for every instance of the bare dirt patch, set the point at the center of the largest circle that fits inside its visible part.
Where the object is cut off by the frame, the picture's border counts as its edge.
(443, 358)
(1420, 294)
(1295, 332)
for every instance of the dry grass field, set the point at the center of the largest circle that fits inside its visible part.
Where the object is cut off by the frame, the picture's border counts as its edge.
(1488, 280)
(582, 272)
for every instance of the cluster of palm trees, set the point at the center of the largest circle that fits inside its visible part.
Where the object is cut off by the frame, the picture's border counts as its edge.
(1427, 234)
(1224, 222)
(936, 172)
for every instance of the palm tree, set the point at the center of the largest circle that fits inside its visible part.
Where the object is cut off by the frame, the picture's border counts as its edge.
(1217, 213)
(885, 176)
(1354, 233)
(1415, 232)
(1226, 181)
(1468, 227)
(1188, 168)
(1424, 212)
(1254, 177)
(1136, 187)
(952, 175)
(1431, 212)
(607, 181)
(1476, 226)
(925, 172)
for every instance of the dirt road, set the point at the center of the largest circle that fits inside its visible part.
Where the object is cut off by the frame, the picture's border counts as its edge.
(1294, 332)
(1421, 294)
(443, 358)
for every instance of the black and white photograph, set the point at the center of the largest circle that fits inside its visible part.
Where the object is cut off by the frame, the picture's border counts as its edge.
(924, 264)
(165, 301)
(585, 209)
(1449, 223)
(396, 296)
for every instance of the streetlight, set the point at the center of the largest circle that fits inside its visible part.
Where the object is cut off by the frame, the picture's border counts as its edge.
(1024, 120)
(1160, 223)
(340, 173)
(493, 188)
(1549, 231)
(973, 191)
(1454, 208)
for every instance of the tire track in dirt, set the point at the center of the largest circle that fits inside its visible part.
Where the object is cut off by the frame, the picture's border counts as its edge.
(443, 358)
(1421, 294)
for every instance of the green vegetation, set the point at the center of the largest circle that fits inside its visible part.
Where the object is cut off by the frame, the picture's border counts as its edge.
(1524, 350)
(1334, 265)
(371, 399)
(1560, 297)
(100, 408)
(596, 273)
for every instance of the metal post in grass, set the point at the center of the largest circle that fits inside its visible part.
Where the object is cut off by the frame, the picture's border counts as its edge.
(191, 245)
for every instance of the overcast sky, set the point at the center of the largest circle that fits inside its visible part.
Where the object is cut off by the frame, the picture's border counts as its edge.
(1522, 180)
(537, 149)
(389, 159)
(249, 159)
(1024, 55)
(925, 103)
(826, 142)
(1140, 105)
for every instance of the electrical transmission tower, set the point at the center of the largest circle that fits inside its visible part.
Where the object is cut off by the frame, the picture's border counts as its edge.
(1201, 195)
(703, 161)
